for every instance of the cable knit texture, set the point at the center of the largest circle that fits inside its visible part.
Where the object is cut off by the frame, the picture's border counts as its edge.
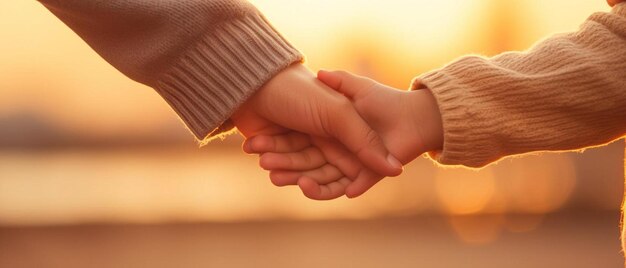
(567, 92)
(204, 57)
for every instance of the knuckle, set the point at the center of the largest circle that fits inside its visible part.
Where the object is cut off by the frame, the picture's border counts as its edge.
(289, 160)
(272, 143)
(327, 171)
(371, 137)
(325, 121)
(290, 141)
(369, 140)
(295, 141)
(306, 157)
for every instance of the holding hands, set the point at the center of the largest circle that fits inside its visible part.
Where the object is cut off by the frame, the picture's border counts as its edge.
(332, 138)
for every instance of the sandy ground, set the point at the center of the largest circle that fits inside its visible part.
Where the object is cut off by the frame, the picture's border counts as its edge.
(563, 240)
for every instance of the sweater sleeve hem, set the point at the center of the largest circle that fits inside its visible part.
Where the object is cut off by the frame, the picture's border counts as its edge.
(453, 103)
(212, 79)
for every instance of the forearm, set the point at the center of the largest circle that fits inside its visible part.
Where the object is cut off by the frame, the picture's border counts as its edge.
(204, 57)
(568, 92)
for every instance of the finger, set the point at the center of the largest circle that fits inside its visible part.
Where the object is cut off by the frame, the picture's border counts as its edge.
(307, 159)
(315, 191)
(350, 128)
(345, 124)
(346, 83)
(324, 175)
(338, 156)
(365, 181)
(282, 178)
(290, 142)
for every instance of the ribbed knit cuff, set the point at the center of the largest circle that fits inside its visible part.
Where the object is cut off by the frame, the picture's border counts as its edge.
(565, 93)
(209, 82)
(464, 133)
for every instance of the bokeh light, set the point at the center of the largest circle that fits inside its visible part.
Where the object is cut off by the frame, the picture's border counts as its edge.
(81, 143)
(477, 230)
(66, 111)
(82, 146)
(543, 189)
(463, 191)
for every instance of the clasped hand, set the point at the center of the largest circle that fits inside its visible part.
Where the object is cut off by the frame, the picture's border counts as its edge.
(337, 134)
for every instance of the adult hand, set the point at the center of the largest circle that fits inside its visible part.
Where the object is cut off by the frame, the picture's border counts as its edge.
(295, 100)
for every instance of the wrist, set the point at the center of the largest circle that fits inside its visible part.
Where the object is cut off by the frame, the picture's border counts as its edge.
(271, 85)
(427, 120)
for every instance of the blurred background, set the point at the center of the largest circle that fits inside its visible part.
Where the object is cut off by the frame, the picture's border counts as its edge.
(96, 170)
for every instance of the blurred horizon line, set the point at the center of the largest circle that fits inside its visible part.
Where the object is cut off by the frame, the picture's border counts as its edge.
(434, 214)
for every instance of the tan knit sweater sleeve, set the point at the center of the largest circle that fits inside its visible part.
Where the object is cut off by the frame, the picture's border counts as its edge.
(204, 57)
(567, 92)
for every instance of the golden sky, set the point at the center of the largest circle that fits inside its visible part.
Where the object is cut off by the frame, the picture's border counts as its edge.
(47, 70)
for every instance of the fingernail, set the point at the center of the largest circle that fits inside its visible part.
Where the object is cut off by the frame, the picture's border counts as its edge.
(395, 163)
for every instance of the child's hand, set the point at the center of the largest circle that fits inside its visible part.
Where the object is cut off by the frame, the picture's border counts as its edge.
(409, 123)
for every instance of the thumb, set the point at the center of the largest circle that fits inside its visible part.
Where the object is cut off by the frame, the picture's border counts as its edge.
(346, 83)
(346, 125)
(352, 130)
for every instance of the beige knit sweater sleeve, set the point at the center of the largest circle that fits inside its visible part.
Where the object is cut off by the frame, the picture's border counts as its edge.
(204, 57)
(567, 92)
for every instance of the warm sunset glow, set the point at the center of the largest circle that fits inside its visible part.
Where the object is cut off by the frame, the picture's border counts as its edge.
(543, 189)
(477, 230)
(391, 40)
(96, 170)
(53, 86)
(522, 224)
(463, 192)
